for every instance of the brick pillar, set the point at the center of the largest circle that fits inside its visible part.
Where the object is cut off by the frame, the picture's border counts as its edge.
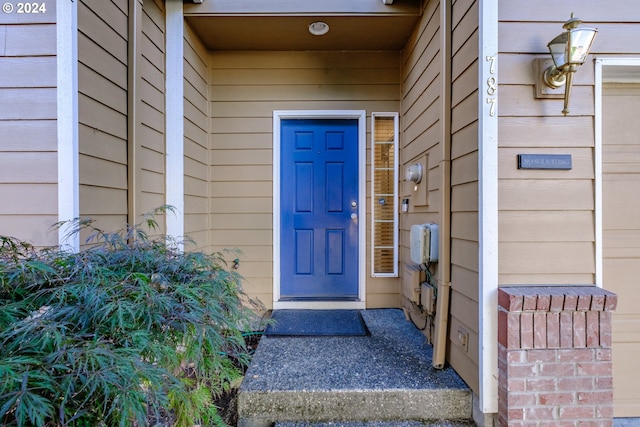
(554, 356)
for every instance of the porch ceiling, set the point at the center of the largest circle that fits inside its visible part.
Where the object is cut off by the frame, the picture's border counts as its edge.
(283, 24)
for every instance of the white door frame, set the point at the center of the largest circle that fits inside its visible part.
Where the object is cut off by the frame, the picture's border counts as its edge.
(360, 115)
(607, 70)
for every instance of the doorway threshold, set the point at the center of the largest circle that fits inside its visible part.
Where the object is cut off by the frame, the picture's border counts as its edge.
(318, 305)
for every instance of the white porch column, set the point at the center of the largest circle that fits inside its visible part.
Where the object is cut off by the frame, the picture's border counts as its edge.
(488, 204)
(67, 118)
(174, 114)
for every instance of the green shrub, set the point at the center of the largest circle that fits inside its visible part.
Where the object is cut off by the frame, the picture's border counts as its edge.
(129, 331)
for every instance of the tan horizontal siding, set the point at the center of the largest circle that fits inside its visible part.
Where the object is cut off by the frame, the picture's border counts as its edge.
(30, 199)
(151, 157)
(546, 194)
(550, 11)
(39, 135)
(544, 132)
(28, 145)
(28, 104)
(196, 140)
(27, 72)
(464, 191)
(546, 216)
(29, 40)
(42, 167)
(102, 113)
(613, 38)
(105, 25)
(245, 89)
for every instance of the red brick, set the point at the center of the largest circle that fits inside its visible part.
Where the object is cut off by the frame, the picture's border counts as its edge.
(576, 384)
(521, 371)
(553, 330)
(595, 397)
(503, 396)
(603, 383)
(556, 424)
(517, 356)
(516, 384)
(543, 355)
(593, 328)
(594, 369)
(530, 300)
(576, 412)
(540, 413)
(576, 355)
(604, 354)
(560, 367)
(610, 302)
(539, 330)
(502, 366)
(557, 398)
(557, 302)
(521, 400)
(566, 329)
(518, 423)
(526, 330)
(579, 329)
(502, 352)
(513, 330)
(557, 369)
(597, 302)
(515, 414)
(541, 384)
(604, 411)
(510, 298)
(544, 301)
(584, 300)
(502, 327)
(605, 329)
(594, 423)
(570, 302)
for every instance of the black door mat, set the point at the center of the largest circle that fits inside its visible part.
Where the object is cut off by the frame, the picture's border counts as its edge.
(328, 323)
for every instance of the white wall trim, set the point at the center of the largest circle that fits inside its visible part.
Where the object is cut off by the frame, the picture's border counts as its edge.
(174, 116)
(360, 115)
(488, 204)
(67, 119)
(600, 78)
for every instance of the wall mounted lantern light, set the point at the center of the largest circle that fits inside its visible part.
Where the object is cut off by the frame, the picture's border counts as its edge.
(568, 51)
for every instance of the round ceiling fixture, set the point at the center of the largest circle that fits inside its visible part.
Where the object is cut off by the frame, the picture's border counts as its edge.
(318, 28)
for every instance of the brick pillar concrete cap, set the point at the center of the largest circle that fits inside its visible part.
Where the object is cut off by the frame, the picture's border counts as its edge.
(556, 298)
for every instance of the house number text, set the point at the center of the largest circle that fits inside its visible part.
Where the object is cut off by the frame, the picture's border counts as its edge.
(492, 86)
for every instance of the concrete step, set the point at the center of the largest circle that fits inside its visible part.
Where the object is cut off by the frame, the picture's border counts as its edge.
(380, 424)
(383, 378)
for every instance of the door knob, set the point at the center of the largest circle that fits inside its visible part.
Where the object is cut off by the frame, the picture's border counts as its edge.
(354, 216)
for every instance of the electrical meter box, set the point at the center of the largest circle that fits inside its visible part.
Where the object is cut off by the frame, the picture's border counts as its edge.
(424, 243)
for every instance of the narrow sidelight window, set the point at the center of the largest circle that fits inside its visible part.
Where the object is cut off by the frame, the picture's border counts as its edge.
(384, 194)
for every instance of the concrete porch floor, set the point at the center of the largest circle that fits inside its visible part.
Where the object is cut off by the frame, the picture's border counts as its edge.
(385, 379)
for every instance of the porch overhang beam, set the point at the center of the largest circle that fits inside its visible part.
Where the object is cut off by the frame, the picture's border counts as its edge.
(301, 8)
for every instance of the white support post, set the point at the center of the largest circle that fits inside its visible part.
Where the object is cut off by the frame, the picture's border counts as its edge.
(67, 119)
(174, 116)
(488, 204)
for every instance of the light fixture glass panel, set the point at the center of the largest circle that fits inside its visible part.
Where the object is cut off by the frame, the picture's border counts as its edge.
(581, 40)
(558, 48)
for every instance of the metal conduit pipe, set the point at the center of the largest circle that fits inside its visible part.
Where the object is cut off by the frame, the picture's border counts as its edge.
(444, 265)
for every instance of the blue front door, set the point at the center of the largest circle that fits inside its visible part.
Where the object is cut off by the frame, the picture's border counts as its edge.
(319, 209)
